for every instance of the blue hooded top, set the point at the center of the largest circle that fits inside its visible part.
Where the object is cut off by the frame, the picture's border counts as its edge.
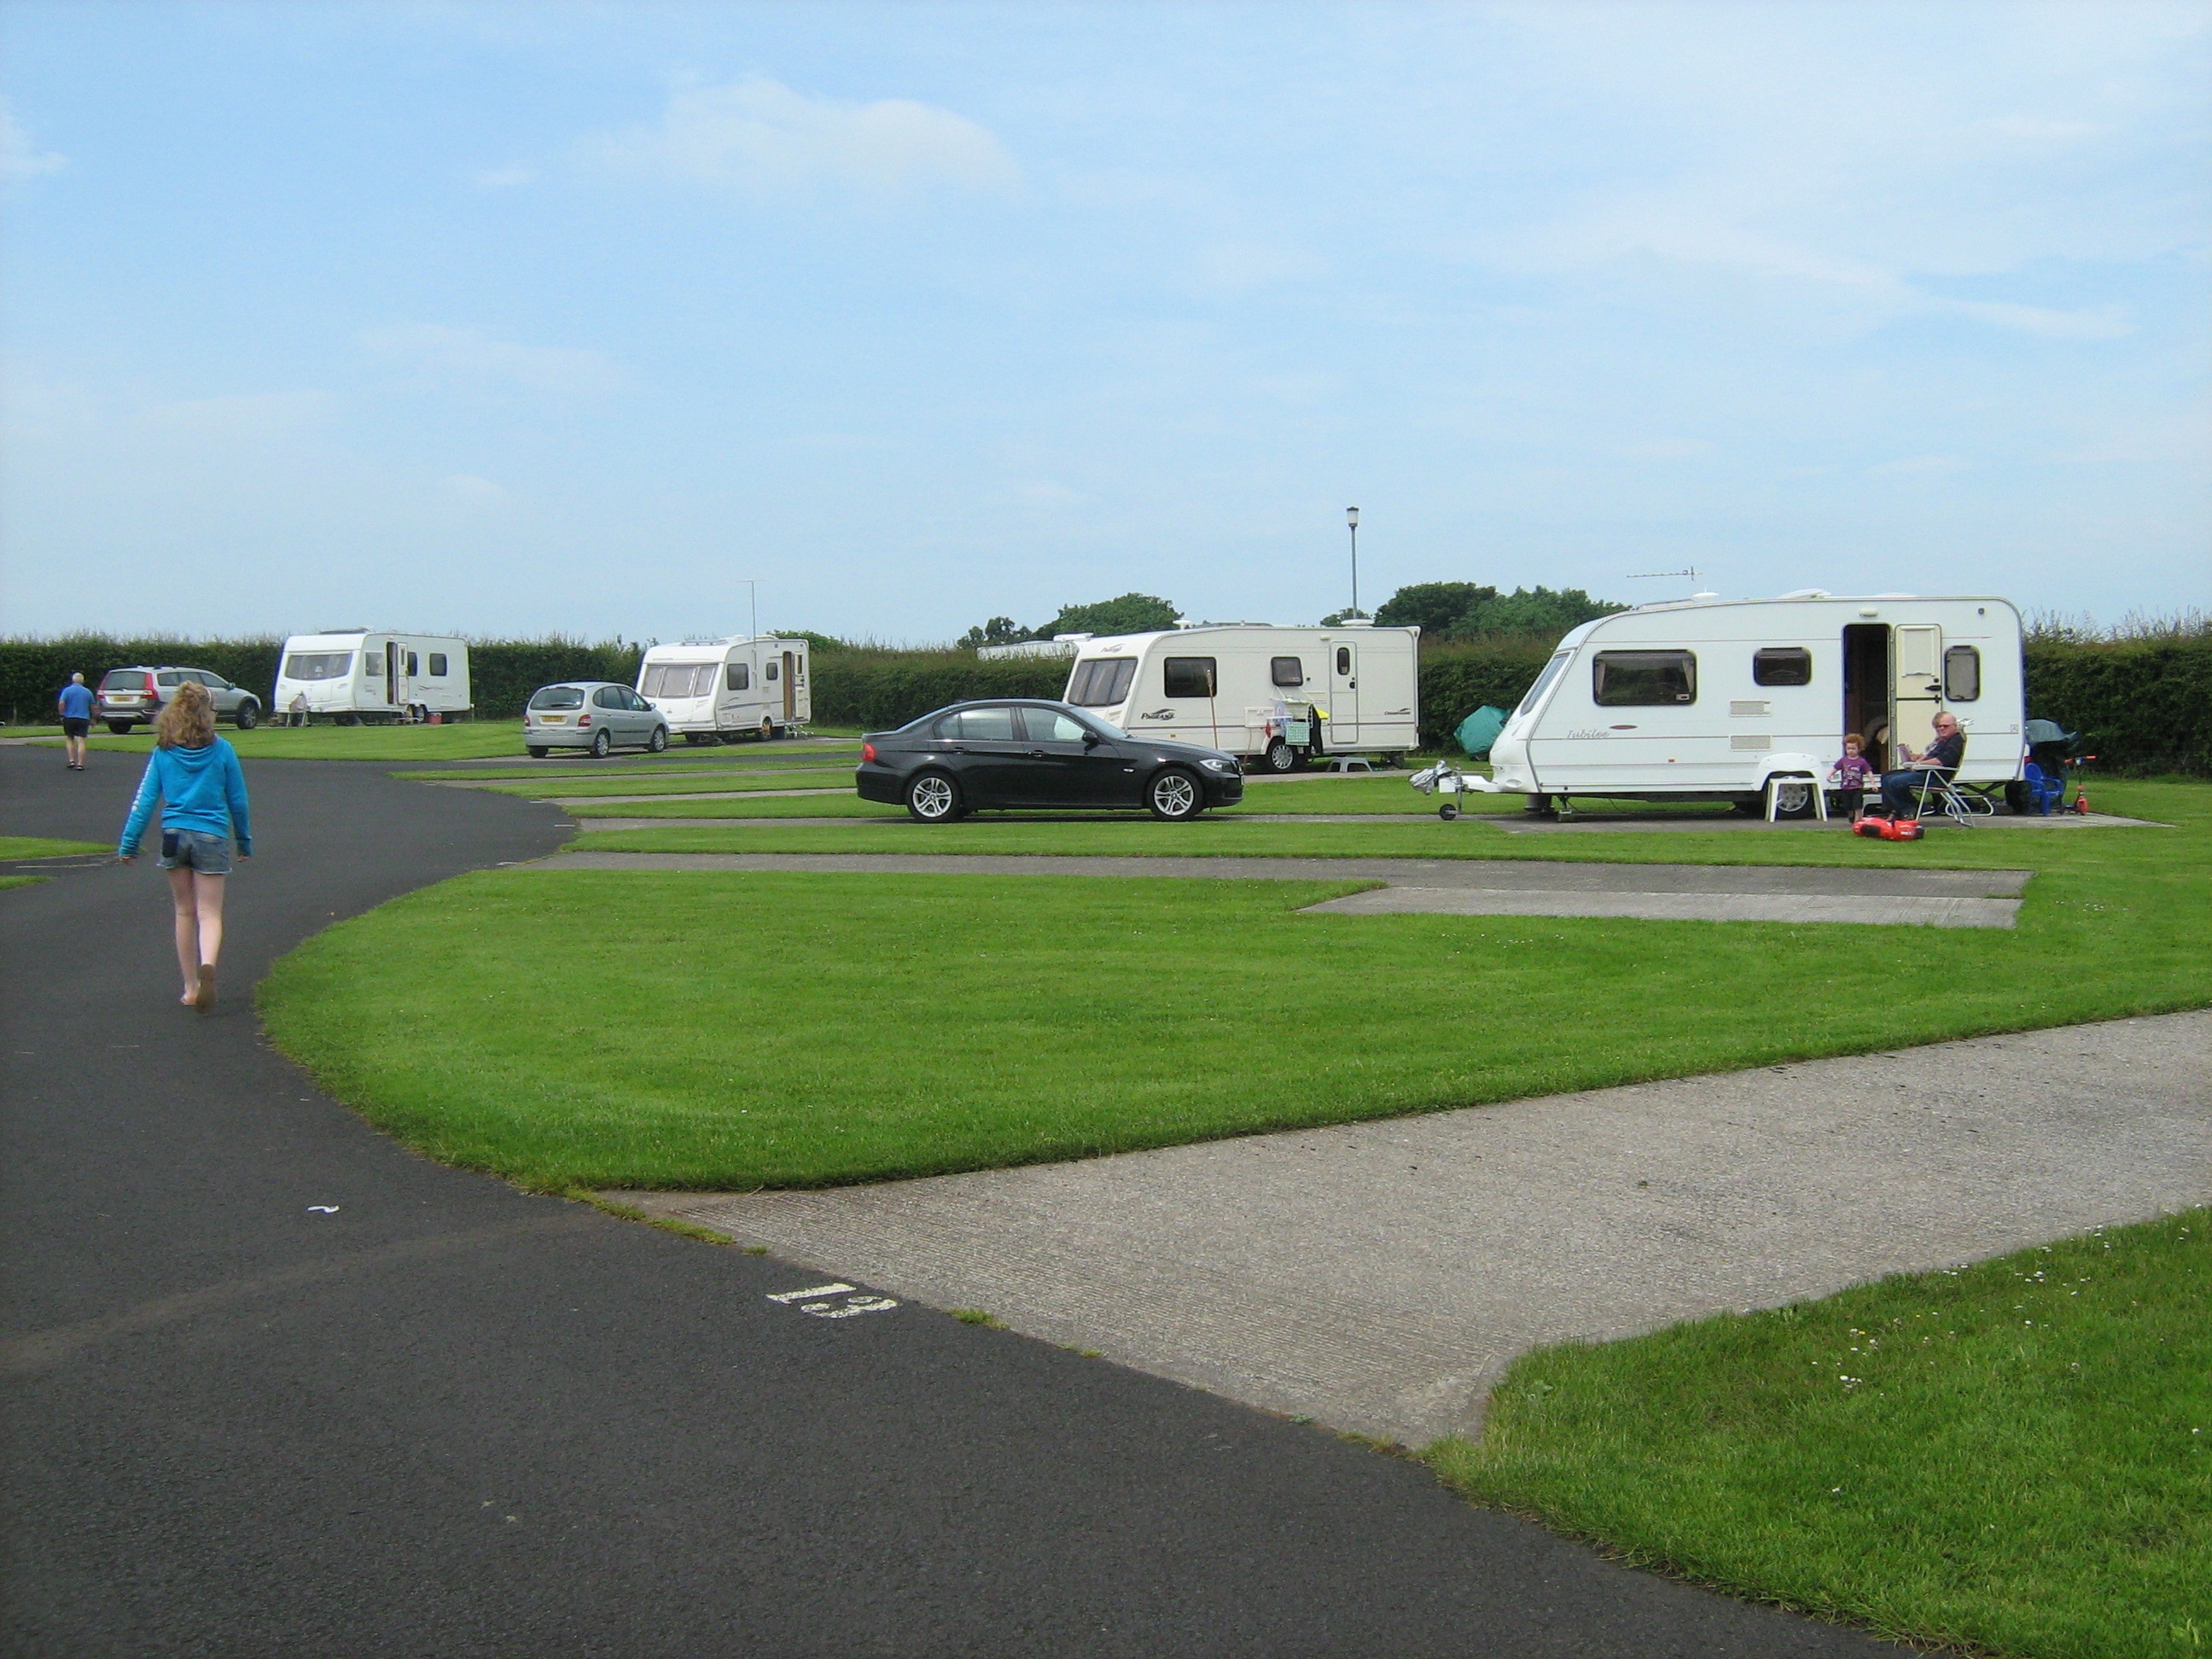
(201, 789)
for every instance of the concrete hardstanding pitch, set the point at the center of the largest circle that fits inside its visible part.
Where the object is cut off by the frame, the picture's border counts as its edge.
(1379, 1277)
(1657, 892)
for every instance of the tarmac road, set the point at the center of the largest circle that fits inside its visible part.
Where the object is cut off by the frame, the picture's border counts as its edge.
(447, 1419)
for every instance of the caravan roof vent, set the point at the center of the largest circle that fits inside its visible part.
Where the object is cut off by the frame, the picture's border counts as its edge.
(1704, 596)
(1807, 593)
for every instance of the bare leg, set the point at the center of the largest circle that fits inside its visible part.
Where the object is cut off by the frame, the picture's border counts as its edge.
(181, 884)
(209, 892)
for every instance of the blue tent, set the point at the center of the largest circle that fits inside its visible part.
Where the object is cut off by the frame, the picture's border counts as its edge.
(1480, 730)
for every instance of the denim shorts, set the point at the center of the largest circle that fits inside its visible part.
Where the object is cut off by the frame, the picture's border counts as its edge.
(196, 849)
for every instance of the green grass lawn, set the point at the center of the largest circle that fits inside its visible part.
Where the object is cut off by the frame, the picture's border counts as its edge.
(464, 740)
(966, 1012)
(2015, 1456)
(885, 828)
(686, 783)
(7, 882)
(674, 761)
(13, 848)
(842, 805)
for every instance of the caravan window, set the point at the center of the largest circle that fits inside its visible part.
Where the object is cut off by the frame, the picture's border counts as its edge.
(1189, 676)
(414, 665)
(437, 664)
(679, 679)
(739, 677)
(1962, 674)
(317, 665)
(1287, 671)
(1543, 682)
(1102, 682)
(768, 672)
(1781, 665)
(1643, 679)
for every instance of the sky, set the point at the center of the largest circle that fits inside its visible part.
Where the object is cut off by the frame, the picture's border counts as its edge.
(511, 321)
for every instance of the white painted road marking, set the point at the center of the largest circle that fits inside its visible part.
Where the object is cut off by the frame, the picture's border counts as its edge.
(855, 1302)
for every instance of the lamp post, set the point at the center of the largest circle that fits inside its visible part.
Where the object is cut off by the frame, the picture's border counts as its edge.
(1352, 520)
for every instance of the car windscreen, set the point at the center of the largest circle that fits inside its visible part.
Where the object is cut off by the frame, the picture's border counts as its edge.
(557, 697)
(1102, 682)
(317, 665)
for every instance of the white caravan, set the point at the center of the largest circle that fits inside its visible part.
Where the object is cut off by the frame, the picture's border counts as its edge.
(358, 677)
(729, 688)
(1278, 696)
(1730, 699)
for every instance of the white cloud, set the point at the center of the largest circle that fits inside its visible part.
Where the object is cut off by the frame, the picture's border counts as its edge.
(19, 157)
(760, 136)
(465, 358)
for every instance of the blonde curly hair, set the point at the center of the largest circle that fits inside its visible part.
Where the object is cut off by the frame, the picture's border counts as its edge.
(187, 719)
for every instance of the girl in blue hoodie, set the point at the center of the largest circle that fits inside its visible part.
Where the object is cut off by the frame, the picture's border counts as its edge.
(196, 775)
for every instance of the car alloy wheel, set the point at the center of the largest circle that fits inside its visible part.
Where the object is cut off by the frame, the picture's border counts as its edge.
(249, 716)
(1281, 757)
(933, 798)
(602, 741)
(658, 740)
(1175, 795)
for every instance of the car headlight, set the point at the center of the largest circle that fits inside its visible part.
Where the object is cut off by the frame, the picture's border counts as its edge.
(1214, 764)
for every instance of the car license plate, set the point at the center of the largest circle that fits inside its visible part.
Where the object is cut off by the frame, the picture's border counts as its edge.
(552, 719)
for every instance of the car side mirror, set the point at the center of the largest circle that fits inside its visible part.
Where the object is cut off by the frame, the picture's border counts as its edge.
(1091, 739)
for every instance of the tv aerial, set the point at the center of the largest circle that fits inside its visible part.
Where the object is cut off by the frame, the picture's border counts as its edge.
(1693, 573)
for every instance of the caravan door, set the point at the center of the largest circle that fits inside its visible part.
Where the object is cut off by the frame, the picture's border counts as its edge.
(1916, 685)
(1343, 695)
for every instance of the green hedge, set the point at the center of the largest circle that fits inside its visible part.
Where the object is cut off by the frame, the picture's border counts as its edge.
(502, 673)
(877, 691)
(2141, 705)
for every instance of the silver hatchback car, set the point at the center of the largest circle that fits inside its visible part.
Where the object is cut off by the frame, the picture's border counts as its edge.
(595, 714)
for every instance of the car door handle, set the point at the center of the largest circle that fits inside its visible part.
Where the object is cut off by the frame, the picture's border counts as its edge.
(1036, 754)
(957, 750)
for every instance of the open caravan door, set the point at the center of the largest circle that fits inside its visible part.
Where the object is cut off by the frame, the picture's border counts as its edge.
(1916, 685)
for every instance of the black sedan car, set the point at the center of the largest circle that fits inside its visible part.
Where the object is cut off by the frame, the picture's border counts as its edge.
(1021, 753)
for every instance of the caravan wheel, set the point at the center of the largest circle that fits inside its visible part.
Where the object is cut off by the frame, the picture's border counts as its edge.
(767, 730)
(1281, 757)
(1793, 799)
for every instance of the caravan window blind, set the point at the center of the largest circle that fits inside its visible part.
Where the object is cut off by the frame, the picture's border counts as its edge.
(1102, 682)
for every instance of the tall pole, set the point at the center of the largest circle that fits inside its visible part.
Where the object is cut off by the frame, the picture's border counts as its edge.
(1352, 520)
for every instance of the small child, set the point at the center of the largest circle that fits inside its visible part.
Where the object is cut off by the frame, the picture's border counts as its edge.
(1851, 773)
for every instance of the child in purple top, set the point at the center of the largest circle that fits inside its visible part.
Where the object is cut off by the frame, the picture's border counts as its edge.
(1851, 773)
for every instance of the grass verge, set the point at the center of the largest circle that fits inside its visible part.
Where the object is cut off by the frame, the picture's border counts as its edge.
(6, 882)
(462, 740)
(2188, 806)
(2015, 1456)
(779, 1028)
(47, 847)
(687, 783)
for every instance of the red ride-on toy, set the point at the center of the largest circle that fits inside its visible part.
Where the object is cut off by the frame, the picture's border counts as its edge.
(1882, 829)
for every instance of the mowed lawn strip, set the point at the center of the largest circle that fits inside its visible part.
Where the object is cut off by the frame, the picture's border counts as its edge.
(461, 740)
(738, 1030)
(2015, 1456)
(47, 847)
(687, 783)
(2186, 806)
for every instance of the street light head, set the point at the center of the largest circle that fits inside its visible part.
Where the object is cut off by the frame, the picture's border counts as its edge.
(1351, 517)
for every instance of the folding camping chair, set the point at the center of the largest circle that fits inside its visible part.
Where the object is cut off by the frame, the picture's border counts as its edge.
(1941, 792)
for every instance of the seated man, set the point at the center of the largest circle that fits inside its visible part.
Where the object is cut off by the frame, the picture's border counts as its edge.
(1900, 790)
